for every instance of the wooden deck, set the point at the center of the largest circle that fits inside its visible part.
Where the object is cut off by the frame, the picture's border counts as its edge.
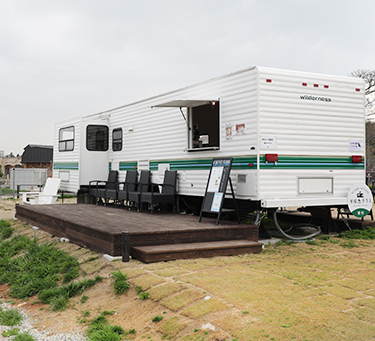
(156, 237)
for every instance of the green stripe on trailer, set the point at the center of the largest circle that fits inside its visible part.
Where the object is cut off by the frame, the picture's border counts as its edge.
(203, 164)
(125, 166)
(66, 165)
(310, 162)
(250, 162)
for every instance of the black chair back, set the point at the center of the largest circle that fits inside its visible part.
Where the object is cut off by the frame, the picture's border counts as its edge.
(112, 179)
(144, 181)
(130, 180)
(170, 178)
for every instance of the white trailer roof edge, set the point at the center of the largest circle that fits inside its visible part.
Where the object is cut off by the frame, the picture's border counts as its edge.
(258, 68)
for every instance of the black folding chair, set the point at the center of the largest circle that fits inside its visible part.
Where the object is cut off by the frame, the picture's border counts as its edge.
(167, 194)
(129, 185)
(98, 188)
(143, 185)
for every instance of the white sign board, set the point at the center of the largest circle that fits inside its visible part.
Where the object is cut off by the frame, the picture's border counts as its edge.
(215, 179)
(360, 200)
(267, 142)
(355, 145)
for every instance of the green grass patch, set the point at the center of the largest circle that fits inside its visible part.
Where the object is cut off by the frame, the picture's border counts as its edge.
(6, 230)
(349, 244)
(10, 332)
(58, 297)
(367, 233)
(101, 330)
(120, 282)
(7, 190)
(32, 269)
(38, 268)
(10, 317)
(84, 299)
(157, 318)
(143, 295)
(24, 337)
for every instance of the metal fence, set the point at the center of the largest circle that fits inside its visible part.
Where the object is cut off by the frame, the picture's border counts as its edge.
(23, 179)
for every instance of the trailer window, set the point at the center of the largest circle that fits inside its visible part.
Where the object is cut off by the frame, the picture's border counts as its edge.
(66, 139)
(97, 138)
(117, 139)
(204, 123)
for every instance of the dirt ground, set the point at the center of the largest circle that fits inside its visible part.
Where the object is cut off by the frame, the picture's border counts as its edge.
(324, 290)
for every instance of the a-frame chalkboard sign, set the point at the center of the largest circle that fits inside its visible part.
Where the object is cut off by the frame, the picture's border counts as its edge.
(216, 187)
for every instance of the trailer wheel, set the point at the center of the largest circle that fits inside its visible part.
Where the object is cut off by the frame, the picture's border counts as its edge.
(284, 231)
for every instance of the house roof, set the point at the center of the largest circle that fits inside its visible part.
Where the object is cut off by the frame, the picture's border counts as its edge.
(37, 153)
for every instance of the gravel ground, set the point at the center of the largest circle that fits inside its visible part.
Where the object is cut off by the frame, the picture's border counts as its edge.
(27, 326)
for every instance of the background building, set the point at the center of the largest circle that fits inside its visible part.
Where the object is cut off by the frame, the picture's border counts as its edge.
(38, 156)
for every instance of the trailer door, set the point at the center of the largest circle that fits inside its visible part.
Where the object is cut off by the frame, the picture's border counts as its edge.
(94, 162)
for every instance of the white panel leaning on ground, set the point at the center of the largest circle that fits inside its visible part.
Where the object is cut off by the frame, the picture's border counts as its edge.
(46, 197)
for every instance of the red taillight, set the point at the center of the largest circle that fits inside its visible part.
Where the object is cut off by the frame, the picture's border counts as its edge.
(358, 89)
(316, 85)
(326, 86)
(268, 80)
(272, 157)
(357, 158)
(304, 84)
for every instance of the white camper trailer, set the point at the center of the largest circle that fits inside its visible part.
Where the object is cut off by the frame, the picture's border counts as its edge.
(296, 138)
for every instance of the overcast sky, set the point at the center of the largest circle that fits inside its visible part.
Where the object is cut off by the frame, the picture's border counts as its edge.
(61, 59)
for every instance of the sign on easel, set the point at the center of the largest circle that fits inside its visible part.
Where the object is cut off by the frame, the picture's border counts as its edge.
(360, 200)
(216, 186)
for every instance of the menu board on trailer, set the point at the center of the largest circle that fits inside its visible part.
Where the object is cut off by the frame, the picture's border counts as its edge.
(216, 185)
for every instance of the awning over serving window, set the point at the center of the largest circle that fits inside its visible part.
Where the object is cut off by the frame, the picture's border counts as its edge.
(182, 103)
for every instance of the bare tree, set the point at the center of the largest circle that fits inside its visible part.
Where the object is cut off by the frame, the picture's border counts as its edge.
(369, 77)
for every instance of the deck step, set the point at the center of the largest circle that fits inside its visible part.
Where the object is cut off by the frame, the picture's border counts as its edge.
(157, 253)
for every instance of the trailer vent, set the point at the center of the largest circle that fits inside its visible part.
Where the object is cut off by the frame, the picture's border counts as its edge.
(241, 178)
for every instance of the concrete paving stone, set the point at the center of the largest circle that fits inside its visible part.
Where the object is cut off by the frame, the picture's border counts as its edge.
(204, 307)
(182, 299)
(171, 272)
(164, 290)
(146, 281)
(342, 291)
